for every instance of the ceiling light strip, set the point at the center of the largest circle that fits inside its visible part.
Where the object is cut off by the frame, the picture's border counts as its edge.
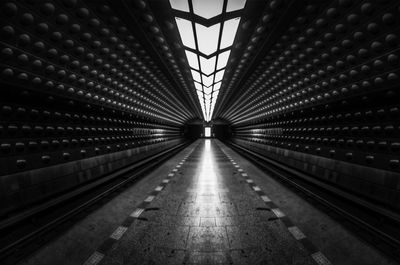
(207, 72)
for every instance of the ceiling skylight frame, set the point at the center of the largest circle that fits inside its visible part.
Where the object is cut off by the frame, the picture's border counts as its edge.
(205, 55)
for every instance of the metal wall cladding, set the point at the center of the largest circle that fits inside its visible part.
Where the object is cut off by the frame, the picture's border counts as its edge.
(76, 86)
(328, 89)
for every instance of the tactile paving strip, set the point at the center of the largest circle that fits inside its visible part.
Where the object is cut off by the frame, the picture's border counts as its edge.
(316, 255)
(119, 232)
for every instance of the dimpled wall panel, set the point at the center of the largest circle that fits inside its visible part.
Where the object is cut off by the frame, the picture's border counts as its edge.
(324, 98)
(80, 97)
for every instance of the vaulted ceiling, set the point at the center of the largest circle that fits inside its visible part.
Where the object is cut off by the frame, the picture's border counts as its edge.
(215, 51)
(181, 61)
(204, 47)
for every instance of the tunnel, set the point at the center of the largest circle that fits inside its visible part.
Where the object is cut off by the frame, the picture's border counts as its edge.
(199, 132)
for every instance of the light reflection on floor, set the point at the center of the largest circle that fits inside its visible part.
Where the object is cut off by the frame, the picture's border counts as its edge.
(207, 215)
(207, 185)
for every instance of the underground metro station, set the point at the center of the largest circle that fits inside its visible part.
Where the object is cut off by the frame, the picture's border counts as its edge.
(199, 132)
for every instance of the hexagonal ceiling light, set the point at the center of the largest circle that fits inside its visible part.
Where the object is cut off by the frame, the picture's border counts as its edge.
(207, 29)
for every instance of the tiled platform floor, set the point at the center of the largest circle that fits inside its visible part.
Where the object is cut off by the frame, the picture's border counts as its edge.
(206, 205)
(207, 214)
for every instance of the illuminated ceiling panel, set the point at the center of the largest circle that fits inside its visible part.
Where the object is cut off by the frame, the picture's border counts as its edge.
(192, 59)
(234, 5)
(181, 5)
(229, 32)
(219, 75)
(196, 76)
(215, 93)
(207, 65)
(223, 59)
(207, 38)
(207, 90)
(207, 80)
(200, 42)
(217, 86)
(186, 31)
(198, 86)
(207, 8)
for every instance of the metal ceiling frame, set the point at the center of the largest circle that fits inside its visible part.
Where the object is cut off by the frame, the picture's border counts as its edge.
(196, 19)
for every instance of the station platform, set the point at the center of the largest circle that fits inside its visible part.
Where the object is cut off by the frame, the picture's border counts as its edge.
(207, 205)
